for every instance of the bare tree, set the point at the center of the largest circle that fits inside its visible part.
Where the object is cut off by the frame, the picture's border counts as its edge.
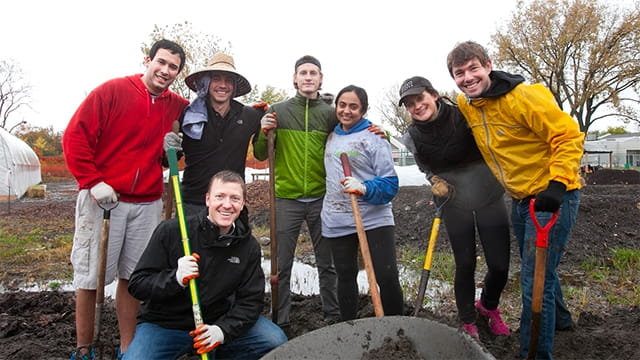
(391, 113)
(198, 46)
(586, 53)
(270, 95)
(15, 91)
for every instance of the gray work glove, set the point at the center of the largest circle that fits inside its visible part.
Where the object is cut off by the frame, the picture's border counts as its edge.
(187, 269)
(103, 193)
(353, 186)
(173, 140)
(269, 121)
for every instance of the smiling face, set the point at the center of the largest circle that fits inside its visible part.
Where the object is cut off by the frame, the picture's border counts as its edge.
(349, 109)
(221, 87)
(307, 80)
(422, 107)
(224, 200)
(162, 71)
(472, 78)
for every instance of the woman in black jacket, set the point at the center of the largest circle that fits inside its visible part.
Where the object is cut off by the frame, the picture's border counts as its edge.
(444, 148)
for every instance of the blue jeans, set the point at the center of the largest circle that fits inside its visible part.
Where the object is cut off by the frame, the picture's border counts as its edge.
(552, 299)
(155, 342)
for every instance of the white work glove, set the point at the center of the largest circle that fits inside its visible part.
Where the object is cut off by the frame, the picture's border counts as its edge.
(207, 338)
(187, 269)
(353, 186)
(269, 121)
(173, 140)
(103, 193)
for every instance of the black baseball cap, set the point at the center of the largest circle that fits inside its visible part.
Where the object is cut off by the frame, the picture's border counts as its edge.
(413, 86)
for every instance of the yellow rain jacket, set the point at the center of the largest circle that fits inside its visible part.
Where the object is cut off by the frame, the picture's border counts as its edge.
(524, 137)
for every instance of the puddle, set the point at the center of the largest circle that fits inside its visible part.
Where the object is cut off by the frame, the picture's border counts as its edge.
(304, 281)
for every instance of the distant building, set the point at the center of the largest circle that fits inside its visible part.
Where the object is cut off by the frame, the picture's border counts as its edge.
(401, 155)
(621, 150)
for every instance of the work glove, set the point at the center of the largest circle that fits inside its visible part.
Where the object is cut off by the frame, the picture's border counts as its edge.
(103, 193)
(206, 338)
(173, 140)
(439, 186)
(353, 186)
(262, 106)
(378, 131)
(268, 122)
(187, 269)
(551, 198)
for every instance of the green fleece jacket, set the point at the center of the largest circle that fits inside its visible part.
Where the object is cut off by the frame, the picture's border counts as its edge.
(303, 126)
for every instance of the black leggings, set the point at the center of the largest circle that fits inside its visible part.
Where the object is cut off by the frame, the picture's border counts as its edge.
(493, 230)
(383, 255)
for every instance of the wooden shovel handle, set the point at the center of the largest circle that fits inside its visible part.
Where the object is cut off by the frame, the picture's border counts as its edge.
(272, 227)
(364, 245)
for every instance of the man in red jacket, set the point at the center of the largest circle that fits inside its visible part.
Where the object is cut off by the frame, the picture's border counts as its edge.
(113, 147)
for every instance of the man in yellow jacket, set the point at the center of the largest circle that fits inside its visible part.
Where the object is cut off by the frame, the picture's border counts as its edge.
(534, 149)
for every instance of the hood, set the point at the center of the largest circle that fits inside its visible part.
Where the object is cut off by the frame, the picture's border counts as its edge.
(501, 83)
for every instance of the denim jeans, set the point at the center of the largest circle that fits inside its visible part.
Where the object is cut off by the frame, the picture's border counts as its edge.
(552, 299)
(155, 342)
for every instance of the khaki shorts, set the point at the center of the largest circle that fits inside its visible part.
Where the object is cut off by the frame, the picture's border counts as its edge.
(130, 229)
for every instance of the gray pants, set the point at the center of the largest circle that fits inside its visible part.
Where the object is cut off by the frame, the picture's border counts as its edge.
(289, 217)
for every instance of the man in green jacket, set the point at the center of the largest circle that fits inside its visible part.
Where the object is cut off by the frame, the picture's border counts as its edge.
(301, 125)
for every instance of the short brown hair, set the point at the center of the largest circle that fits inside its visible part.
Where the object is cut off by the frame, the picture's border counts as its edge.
(464, 52)
(228, 176)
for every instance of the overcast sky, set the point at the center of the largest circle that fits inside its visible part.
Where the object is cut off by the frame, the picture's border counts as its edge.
(67, 48)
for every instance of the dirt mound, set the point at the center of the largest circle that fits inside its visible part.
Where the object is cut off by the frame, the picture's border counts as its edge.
(41, 324)
(613, 177)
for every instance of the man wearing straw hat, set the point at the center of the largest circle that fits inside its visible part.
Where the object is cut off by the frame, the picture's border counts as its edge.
(216, 128)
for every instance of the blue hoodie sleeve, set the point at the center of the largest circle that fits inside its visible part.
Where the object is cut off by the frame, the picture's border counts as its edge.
(381, 190)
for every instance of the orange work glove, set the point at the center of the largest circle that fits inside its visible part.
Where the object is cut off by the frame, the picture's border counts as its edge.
(187, 269)
(207, 338)
(262, 106)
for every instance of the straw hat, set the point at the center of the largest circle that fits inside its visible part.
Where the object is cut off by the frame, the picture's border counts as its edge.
(220, 62)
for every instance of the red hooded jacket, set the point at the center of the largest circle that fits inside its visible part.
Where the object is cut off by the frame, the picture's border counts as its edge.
(116, 136)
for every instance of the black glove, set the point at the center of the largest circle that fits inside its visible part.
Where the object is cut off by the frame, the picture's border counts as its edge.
(551, 198)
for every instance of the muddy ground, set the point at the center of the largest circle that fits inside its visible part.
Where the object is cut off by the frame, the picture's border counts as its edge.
(40, 325)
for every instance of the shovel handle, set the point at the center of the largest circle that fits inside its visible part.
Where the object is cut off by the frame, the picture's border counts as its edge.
(184, 234)
(428, 259)
(542, 241)
(542, 232)
(102, 268)
(273, 233)
(364, 245)
(346, 167)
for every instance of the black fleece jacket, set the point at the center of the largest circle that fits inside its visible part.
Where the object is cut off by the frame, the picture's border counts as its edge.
(231, 282)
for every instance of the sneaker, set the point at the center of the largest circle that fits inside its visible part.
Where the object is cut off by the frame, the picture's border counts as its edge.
(496, 325)
(78, 355)
(472, 330)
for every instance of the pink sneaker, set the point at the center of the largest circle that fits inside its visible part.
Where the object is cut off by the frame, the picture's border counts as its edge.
(497, 326)
(472, 330)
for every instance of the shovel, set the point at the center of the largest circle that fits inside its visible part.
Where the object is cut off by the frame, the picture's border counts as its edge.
(364, 245)
(426, 268)
(102, 268)
(272, 227)
(193, 288)
(542, 240)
